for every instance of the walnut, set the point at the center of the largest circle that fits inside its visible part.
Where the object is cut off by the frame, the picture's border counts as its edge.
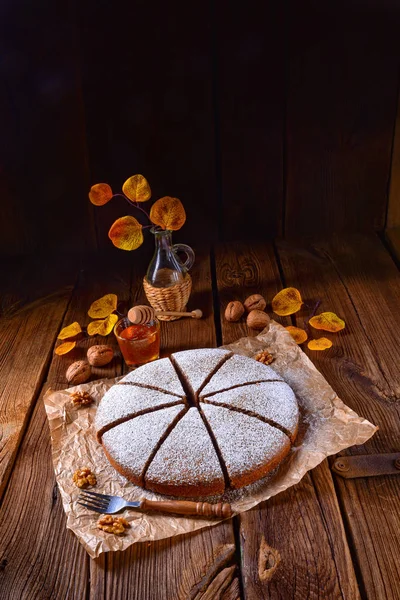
(264, 357)
(78, 372)
(255, 302)
(81, 398)
(257, 319)
(112, 524)
(234, 311)
(84, 477)
(100, 355)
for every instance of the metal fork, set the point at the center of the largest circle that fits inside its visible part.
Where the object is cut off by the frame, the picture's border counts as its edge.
(109, 505)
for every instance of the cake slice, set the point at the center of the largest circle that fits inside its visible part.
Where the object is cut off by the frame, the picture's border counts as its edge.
(123, 401)
(159, 374)
(130, 445)
(239, 370)
(273, 401)
(198, 365)
(186, 464)
(249, 447)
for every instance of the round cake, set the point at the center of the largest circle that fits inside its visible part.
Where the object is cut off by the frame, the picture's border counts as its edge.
(198, 423)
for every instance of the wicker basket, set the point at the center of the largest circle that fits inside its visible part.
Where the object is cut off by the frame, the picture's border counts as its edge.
(171, 298)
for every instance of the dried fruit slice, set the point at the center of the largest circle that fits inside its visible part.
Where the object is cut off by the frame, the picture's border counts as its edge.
(159, 374)
(327, 321)
(123, 401)
(249, 447)
(239, 370)
(196, 372)
(287, 302)
(130, 446)
(186, 464)
(273, 401)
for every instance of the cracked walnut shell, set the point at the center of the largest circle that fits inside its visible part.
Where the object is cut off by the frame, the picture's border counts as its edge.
(112, 524)
(84, 478)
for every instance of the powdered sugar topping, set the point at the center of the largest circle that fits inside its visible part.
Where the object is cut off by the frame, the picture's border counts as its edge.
(160, 374)
(197, 365)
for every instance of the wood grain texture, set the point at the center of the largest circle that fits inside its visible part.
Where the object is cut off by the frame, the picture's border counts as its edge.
(357, 279)
(250, 104)
(310, 507)
(34, 298)
(341, 104)
(154, 114)
(43, 164)
(172, 568)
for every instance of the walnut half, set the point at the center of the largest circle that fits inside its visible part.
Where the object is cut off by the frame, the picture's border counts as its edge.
(84, 477)
(264, 357)
(112, 524)
(81, 398)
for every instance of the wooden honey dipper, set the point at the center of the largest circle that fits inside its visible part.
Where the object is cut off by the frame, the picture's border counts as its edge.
(140, 315)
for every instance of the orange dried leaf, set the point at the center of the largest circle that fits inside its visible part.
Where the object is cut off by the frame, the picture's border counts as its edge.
(319, 344)
(287, 302)
(100, 194)
(168, 213)
(69, 331)
(102, 326)
(137, 188)
(298, 334)
(327, 321)
(103, 307)
(65, 348)
(126, 233)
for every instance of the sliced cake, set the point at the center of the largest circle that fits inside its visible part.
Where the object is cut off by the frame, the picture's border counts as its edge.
(158, 374)
(130, 445)
(273, 401)
(197, 371)
(250, 448)
(239, 370)
(186, 464)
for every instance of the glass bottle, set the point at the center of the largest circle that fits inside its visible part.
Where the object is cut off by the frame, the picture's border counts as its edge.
(165, 268)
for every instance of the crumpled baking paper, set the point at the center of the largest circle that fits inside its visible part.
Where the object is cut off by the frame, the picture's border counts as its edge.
(327, 426)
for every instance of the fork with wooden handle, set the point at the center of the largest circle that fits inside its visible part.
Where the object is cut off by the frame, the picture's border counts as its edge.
(108, 505)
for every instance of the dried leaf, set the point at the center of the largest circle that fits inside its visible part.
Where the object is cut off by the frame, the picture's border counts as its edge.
(298, 334)
(327, 321)
(102, 326)
(168, 213)
(126, 233)
(69, 331)
(100, 194)
(319, 344)
(65, 348)
(137, 189)
(287, 302)
(103, 307)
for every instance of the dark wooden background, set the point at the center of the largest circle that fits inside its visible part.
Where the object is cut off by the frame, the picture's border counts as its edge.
(265, 118)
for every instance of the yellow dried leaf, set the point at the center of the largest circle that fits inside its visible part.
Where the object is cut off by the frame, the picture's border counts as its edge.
(327, 321)
(65, 348)
(69, 331)
(137, 189)
(168, 213)
(126, 233)
(102, 326)
(103, 307)
(100, 194)
(298, 334)
(319, 344)
(287, 302)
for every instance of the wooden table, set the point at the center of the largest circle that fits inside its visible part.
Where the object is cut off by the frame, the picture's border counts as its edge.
(336, 538)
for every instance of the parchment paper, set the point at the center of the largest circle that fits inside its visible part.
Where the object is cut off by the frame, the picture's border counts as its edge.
(327, 426)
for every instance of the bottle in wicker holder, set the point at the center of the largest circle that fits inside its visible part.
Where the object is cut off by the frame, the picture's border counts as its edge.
(167, 283)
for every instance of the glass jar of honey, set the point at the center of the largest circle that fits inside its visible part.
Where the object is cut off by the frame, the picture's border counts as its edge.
(139, 344)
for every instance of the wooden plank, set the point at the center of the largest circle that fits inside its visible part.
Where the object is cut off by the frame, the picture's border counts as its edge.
(172, 568)
(342, 95)
(393, 237)
(34, 299)
(44, 171)
(303, 523)
(357, 279)
(35, 541)
(393, 212)
(158, 105)
(250, 97)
